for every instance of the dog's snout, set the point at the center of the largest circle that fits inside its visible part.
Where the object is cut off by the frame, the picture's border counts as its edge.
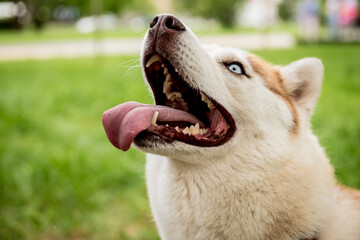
(164, 33)
(167, 22)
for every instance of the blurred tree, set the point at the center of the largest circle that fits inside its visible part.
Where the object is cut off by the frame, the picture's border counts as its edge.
(142, 6)
(41, 11)
(287, 9)
(113, 6)
(83, 5)
(222, 10)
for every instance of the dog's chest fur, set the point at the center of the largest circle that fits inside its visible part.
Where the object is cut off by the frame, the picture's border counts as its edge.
(229, 201)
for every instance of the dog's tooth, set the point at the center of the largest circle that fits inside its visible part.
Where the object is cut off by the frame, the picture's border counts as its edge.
(165, 70)
(167, 87)
(192, 129)
(154, 58)
(210, 105)
(202, 131)
(178, 96)
(186, 131)
(174, 95)
(197, 128)
(176, 70)
(167, 125)
(177, 129)
(154, 118)
(162, 65)
(207, 101)
(170, 96)
(168, 77)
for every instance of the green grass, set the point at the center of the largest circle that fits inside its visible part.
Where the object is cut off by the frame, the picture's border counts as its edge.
(61, 178)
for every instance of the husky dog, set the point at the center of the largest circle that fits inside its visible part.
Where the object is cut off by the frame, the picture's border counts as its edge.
(231, 151)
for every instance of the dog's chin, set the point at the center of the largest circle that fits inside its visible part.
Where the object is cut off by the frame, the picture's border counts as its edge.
(152, 143)
(147, 140)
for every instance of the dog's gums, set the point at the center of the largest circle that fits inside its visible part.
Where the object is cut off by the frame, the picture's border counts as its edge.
(181, 113)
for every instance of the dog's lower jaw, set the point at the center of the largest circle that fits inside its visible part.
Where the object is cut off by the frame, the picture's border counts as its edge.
(228, 200)
(183, 152)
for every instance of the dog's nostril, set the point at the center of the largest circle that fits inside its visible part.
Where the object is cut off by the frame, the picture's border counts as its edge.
(169, 23)
(173, 23)
(154, 21)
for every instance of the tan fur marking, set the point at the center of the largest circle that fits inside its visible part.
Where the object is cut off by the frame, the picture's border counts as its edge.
(274, 81)
(352, 192)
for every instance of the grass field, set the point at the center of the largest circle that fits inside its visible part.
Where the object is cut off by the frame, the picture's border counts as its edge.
(60, 178)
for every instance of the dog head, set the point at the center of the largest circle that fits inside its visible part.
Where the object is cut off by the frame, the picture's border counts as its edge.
(210, 100)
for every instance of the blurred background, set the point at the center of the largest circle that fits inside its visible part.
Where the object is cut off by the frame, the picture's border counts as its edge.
(64, 62)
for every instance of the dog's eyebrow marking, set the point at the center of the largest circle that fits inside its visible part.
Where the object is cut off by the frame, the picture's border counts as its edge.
(274, 81)
(229, 57)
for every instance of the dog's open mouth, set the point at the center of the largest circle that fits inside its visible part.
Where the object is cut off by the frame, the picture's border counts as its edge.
(181, 113)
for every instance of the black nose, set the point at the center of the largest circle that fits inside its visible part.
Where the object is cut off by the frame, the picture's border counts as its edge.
(168, 22)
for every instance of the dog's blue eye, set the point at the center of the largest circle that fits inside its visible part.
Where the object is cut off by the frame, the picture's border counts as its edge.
(235, 68)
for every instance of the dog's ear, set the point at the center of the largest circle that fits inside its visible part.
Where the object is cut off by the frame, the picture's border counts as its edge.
(302, 81)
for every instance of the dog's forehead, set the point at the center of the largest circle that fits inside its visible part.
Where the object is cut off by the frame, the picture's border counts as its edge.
(227, 54)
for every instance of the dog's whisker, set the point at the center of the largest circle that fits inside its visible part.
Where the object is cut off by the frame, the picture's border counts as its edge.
(131, 69)
(130, 62)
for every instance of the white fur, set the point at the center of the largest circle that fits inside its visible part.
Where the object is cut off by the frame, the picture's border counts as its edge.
(264, 183)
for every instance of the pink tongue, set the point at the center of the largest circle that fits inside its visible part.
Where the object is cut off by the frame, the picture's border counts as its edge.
(219, 126)
(125, 121)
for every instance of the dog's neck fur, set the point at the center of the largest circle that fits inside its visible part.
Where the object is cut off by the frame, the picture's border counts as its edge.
(233, 197)
(263, 184)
